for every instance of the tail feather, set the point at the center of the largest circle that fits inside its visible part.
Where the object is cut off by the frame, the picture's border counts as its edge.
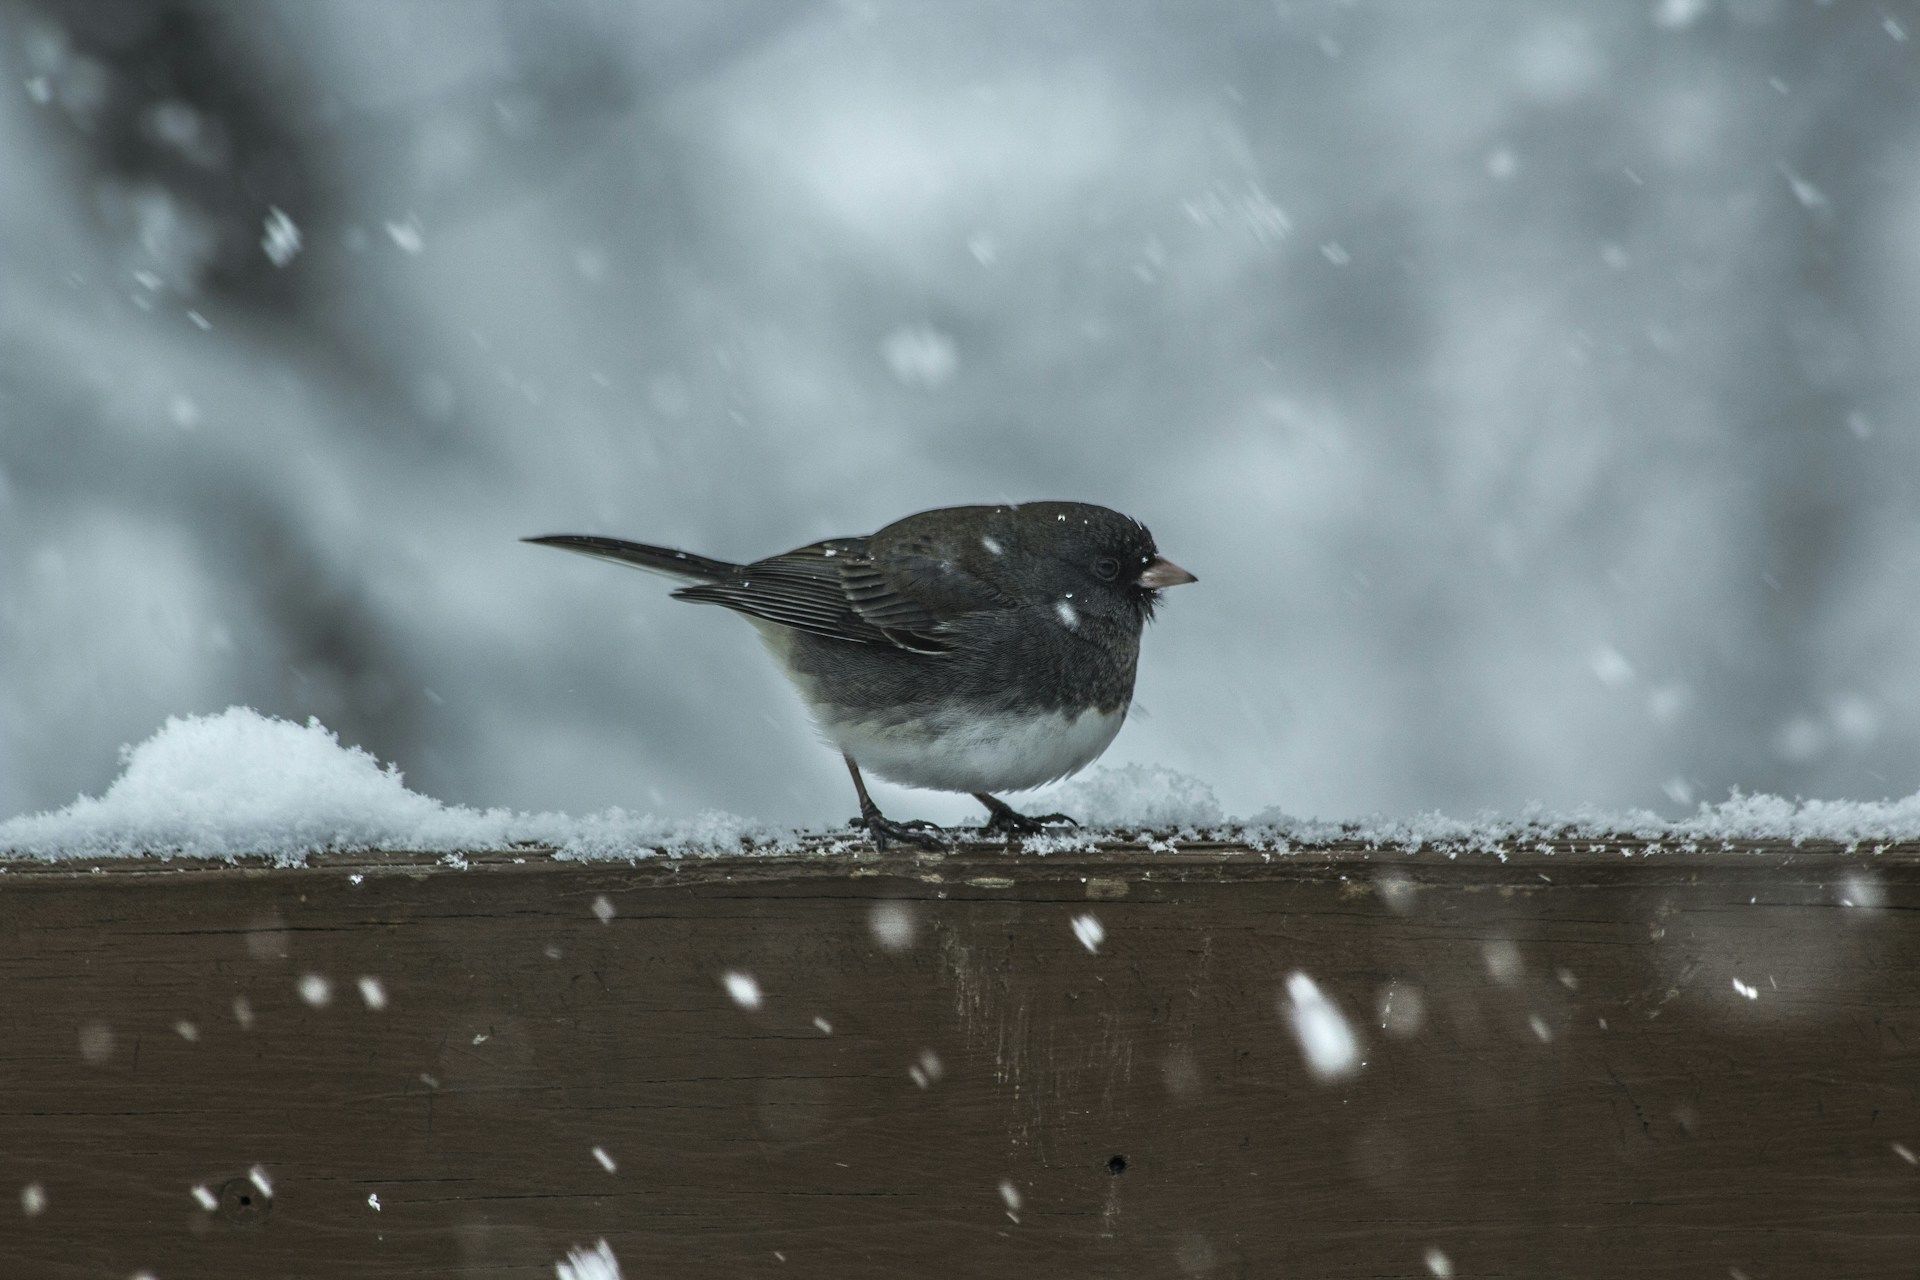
(675, 564)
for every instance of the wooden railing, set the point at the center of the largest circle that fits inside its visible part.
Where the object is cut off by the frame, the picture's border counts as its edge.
(1588, 1060)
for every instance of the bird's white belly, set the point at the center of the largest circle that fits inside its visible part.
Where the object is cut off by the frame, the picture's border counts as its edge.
(956, 752)
(950, 750)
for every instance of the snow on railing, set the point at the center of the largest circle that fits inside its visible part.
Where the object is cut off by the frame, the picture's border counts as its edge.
(241, 784)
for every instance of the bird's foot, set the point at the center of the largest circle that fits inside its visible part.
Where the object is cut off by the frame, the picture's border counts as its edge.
(914, 831)
(1008, 822)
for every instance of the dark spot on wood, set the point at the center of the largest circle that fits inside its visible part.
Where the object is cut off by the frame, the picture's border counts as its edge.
(242, 1205)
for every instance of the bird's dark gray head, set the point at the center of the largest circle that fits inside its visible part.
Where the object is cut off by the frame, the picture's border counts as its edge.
(1090, 561)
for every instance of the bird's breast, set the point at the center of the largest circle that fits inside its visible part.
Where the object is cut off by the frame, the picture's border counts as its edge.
(932, 722)
(956, 750)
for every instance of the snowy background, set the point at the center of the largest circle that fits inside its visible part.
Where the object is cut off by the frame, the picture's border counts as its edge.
(1534, 388)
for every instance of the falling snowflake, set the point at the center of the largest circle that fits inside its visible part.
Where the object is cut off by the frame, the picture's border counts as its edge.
(597, 1263)
(1503, 961)
(96, 1042)
(407, 235)
(921, 356)
(928, 1069)
(744, 990)
(1326, 1041)
(281, 238)
(1403, 1010)
(892, 925)
(1611, 668)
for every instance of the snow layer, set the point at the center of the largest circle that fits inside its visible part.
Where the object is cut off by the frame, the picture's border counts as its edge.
(240, 783)
(1741, 817)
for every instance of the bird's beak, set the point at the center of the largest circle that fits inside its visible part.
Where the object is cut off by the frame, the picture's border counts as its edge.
(1162, 572)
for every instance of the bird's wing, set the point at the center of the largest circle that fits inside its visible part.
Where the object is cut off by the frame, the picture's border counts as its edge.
(849, 589)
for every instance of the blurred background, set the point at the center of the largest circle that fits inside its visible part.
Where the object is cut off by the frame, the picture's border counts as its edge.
(1533, 387)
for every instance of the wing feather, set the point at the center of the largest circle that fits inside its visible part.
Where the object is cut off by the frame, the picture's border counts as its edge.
(838, 589)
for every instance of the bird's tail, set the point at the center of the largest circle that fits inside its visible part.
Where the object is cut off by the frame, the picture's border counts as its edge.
(675, 564)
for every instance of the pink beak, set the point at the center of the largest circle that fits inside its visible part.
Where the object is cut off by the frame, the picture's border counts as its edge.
(1162, 572)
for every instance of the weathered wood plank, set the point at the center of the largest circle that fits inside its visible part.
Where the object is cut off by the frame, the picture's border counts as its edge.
(1583, 1091)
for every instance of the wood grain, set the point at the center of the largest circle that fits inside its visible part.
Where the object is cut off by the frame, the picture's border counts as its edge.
(1568, 1082)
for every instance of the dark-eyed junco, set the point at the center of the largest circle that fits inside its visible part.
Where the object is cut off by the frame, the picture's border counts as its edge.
(975, 649)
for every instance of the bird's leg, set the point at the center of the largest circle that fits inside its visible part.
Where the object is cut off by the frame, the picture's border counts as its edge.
(881, 827)
(1006, 821)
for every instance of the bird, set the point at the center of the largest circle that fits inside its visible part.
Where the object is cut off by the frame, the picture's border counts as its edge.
(976, 649)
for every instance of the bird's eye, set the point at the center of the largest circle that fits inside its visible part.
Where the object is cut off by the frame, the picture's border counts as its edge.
(1107, 567)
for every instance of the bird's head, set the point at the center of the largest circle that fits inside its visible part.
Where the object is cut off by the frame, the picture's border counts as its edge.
(1092, 561)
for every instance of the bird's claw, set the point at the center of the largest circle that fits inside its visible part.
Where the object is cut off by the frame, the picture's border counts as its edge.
(1006, 822)
(913, 831)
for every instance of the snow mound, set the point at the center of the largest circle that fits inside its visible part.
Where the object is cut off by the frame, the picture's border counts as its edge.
(240, 783)
(1137, 797)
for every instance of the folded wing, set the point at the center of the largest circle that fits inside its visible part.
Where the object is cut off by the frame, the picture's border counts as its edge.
(850, 589)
